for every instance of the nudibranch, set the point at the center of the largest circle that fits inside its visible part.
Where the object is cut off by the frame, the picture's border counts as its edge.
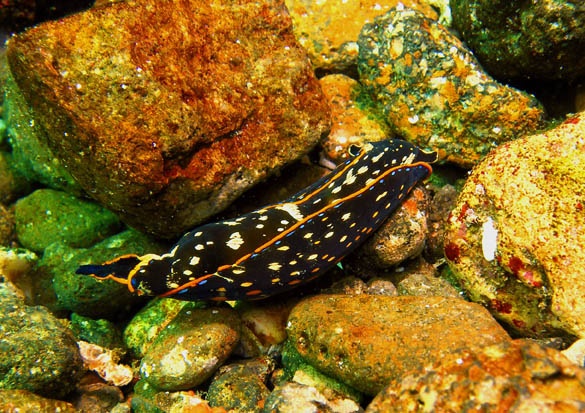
(280, 246)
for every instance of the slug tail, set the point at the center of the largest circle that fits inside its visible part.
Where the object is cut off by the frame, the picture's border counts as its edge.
(117, 269)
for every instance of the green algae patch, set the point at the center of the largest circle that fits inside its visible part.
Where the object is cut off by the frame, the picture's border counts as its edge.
(85, 295)
(33, 159)
(151, 320)
(47, 216)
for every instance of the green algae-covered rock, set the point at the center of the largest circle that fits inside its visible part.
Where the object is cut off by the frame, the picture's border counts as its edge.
(297, 369)
(515, 238)
(151, 320)
(33, 159)
(241, 386)
(101, 332)
(47, 216)
(86, 295)
(12, 183)
(191, 348)
(37, 351)
(524, 40)
(434, 93)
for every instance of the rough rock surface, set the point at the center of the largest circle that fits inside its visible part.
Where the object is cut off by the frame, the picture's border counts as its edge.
(37, 351)
(31, 157)
(433, 92)
(241, 386)
(401, 237)
(166, 111)
(515, 239)
(531, 39)
(518, 376)
(328, 30)
(365, 340)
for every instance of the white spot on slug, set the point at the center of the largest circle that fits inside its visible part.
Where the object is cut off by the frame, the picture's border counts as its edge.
(382, 195)
(235, 241)
(274, 266)
(292, 209)
(350, 178)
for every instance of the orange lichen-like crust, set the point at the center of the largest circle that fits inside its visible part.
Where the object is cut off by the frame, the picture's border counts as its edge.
(166, 111)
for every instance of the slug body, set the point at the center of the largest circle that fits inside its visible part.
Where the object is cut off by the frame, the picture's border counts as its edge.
(277, 247)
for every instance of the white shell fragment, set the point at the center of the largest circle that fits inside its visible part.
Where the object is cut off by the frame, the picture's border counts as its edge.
(489, 240)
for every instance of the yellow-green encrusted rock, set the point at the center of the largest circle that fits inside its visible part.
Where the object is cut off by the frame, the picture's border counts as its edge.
(516, 237)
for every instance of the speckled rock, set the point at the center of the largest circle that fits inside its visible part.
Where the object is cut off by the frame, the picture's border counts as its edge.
(241, 387)
(352, 285)
(82, 294)
(25, 334)
(154, 317)
(516, 237)
(295, 397)
(47, 216)
(25, 401)
(514, 376)
(402, 236)
(433, 92)
(191, 348)
(328, 30)
(32, 158)
(534, 39)
(369, 340)
(167, 111)
(420, 278)
(350, 124)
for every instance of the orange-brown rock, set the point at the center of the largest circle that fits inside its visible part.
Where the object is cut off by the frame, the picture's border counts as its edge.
(518, 376)
(166, 110)
(366, 341)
